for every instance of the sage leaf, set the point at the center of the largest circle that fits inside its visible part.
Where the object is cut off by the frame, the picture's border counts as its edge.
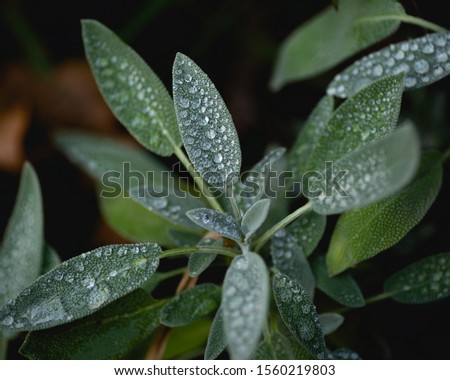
(217, 341)
(191, 305)
(424, 60)
(341, 288)
(332, 36)
(275, 347)
(245, 302)
(217, 222)
(23, 241)
(80, 286)
(343, 354)
(184, 238)
(330, 322)
(368, 115)
(308, 139)
(255, 217)
(50, 259)
(308, 231)
(132, 221)
(200, 261)
(371, 173)
(289, 258)
(170, 205)
(423, 281)
(299, 314)
(363, 233)
(206, 127)
(131, 89)
(126, 322)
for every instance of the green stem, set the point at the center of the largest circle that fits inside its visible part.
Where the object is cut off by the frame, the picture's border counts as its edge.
(234, 206)
(171, 273)
(198, 180)
(281, 224)
(406, 19)
(206, 249)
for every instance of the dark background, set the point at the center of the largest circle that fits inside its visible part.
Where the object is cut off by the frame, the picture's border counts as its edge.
(45, 85)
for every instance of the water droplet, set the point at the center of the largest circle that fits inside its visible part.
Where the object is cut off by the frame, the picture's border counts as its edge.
(441, 57)
(218, 158)
(206, 218)
(399, 55)
(88, 282)
(378, 70)
(421, 66)
(97, 297)
(187, 78)
(159, 203)
(47, 311)
(113, 273)
(211, 134)
(8, 321)
(428, 49)
(58, 276)
(410, 82)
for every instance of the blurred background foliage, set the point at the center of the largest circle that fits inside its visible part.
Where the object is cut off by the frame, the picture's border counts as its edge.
(46, 86)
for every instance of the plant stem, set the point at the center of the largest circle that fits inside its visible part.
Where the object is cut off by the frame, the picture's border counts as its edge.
(407, 19)
(234, 206)
(198, 179)
(207, 249)
(281, 224)
(171, 273)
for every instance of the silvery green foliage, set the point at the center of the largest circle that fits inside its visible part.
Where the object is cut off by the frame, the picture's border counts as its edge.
(255, 182)
(275, 347)
(299, 314)
(342, 288)
(343, 354)
(330, 322)
(308, 231)
(172, 206)
(200, 261)
(132, 90)
(217, 340)
(373, 172)
(289, 258)
(424, 60)
(21, 253)
(80, 286)
(191, 305)
(300, 155)
(217, 222)
(206, 126)
(423, 281)
(368, 115)
(362, 233)
(245, 301)
(254, 217)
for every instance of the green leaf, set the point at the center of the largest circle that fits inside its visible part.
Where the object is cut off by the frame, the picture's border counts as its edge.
(200, 261)
(372, 173)
(343, 354)
(191, 305)
(187, 342)
(275, 347)
(423, 281)
(299, 314)
(51, 259)
(217, 222)
(424, 60)
(308, 231)
(184, 238)
(245, 301)
(299, 350)
(206, 127)
(255, 183)
(169, 205)
(99, 156)
(255, 217)
(342, 288)
(23, 241)
(80, 286)
(368, 115)
(289, 258)
(132, 90)
(125, 323)
(300, 155)
(330, 322)
(332, 36)
(363, 233)
(217, 340)
(132, 221)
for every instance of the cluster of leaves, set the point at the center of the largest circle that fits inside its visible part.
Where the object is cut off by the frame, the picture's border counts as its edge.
(99, 304)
